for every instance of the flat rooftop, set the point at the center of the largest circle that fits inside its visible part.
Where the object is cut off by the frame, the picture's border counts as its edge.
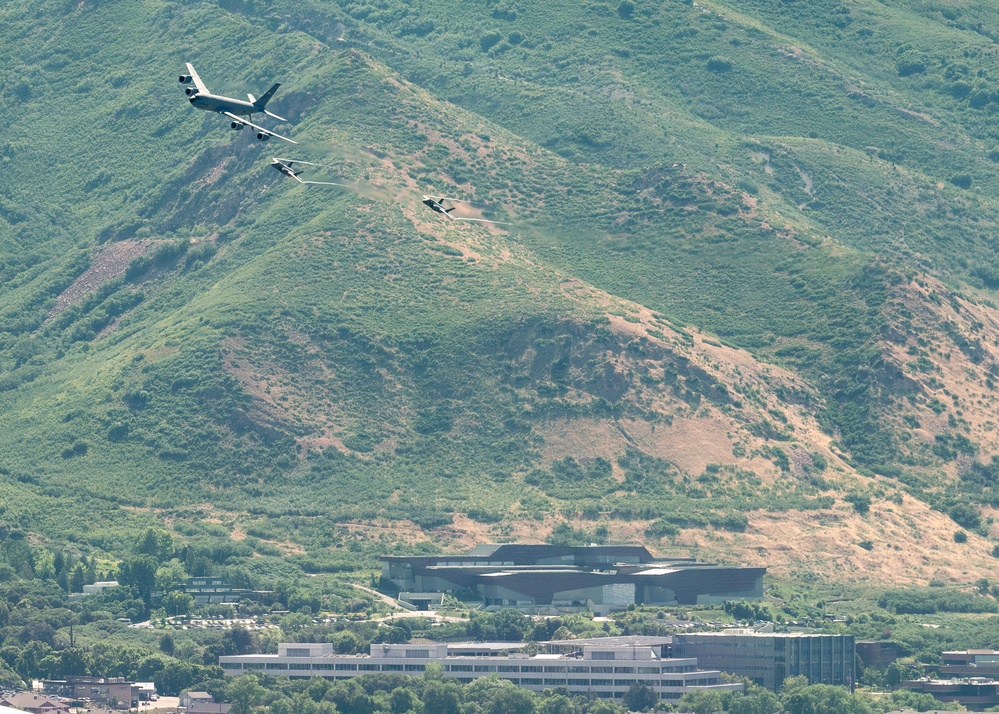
(620, 641)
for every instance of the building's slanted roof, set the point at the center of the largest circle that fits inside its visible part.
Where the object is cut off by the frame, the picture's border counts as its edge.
(27, 700)
(536, 553)
(484, 550)
(199, 695)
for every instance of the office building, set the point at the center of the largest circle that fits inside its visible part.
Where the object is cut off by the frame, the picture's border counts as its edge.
(601, 670)
(769, 658)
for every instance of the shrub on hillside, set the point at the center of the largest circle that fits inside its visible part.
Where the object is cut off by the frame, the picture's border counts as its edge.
(926, 602)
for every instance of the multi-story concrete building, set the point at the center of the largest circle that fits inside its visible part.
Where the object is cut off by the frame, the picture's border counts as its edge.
(210, 590)
(99, 587)
(597, 670)
(551, 578)
(117, 692)
(970, 663)
(769, 658)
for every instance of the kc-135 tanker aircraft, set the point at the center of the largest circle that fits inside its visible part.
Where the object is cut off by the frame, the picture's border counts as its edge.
(237, 110)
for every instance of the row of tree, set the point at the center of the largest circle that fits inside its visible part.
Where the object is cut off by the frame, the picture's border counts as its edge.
(433, 693)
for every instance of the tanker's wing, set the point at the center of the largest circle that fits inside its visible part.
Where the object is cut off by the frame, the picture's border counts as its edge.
(202, 89)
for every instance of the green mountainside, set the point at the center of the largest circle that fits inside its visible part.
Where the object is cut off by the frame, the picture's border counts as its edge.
(745, 309)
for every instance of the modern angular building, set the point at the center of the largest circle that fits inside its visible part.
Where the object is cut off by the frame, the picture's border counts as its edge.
(769, 658)
(551, 578)
(600, 670)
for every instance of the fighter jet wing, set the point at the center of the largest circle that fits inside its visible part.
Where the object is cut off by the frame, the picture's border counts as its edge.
(243, 120)
(202, 89)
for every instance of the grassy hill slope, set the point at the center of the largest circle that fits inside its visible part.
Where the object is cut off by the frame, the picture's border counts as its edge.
(750, 276)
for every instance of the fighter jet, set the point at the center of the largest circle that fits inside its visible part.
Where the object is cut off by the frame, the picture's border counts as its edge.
(436, 204)
(286, 167)
(238, 111)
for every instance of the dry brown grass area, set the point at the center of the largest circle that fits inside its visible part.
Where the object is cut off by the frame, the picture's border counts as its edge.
(911, 545)
(951, 358)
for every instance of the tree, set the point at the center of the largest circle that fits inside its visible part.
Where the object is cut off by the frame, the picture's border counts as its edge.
(640, 698)
(157, 544)
(506, 625)
(755, 700)
(148, 668)
(301, 703)
(245, 693)
(241, 638)
(403, 700)
(603, 706)
(510, 700)
(174, 678)
(894, 675)
(346, 642)
(823, 699)
(702, 702)
(177, 602)
(557, 704)
(77, 579)
(442, 697)
(350, 698)
(563, 633)
(171, 576)
(73, 662)
(139, 572)
(917, 701)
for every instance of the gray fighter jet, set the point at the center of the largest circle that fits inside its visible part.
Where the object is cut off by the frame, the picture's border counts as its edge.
(238, 111)
(437, 205)
(287, 167)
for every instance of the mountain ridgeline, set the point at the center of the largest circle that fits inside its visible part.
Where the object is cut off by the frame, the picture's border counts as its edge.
(749, 286)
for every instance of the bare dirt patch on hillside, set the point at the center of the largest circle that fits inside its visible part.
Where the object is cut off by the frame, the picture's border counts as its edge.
(109, 262)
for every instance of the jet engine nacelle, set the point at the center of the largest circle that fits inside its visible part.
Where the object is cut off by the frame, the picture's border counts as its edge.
(262, 136)
(185, 78)
(237, 125)
(189, 91)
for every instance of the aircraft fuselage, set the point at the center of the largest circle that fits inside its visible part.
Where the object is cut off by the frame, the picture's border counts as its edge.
(215, 103)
